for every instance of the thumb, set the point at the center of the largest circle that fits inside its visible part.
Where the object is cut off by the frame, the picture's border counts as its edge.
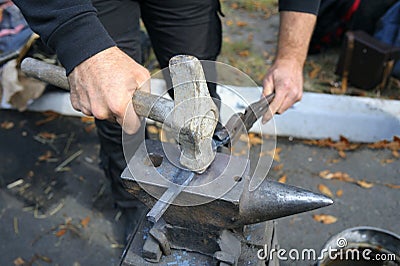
(268, 88)
(130, 122)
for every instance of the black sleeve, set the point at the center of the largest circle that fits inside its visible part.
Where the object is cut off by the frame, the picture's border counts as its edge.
(305, 6)
(69, 27)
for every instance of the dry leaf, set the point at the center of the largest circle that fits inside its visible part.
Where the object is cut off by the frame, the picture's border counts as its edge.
(393, 186)
(61, 232)
(7, 125)
(152, 129)
(278, 167)
(244, 137)
(325, 190)
(315, 70)
(364, 184)
(19, 261)
(229, 23)
(241, 23)
(395, 153)
(90, 127)
(324, 218)
(87, 119)
(378, 145)
(339, 193)
(326, 174)
(387, 161)
(244, 53)
(255, 139)
(50, 116)
(234, 6)
(47, 135)
(85, 221)
(342, 154)
(282, 179)
(47, 155)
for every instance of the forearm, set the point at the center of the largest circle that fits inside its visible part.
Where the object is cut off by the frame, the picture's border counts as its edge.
(71, 28)
(294, 35)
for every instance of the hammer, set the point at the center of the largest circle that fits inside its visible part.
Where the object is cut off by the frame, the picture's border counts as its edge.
(192, 116)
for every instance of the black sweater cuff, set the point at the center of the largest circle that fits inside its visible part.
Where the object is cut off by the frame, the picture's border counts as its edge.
(79, 39)
(305, 6)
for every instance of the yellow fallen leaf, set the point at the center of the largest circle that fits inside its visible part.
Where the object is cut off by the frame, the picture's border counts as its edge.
(387, 161)
(47, 155)
(325, 218)
(393, 186)
(87, 119)
(229, 23)
(7, 125)
(19, 261)
(255, 139)
(61, 232)
(325, 190)
(282, 179)
(244, 53)
(47, 135)
(85, 221)
(342, 154)
(152, 129)
(241, 23)
(339, 193)
(90, 127)
(278, 167)
(364, 184)
(395, 153)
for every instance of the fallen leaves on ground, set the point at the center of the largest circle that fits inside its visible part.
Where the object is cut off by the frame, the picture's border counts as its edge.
(282, 179)
(241, 23)
(46, 156)
(275, 154)
(7, 125)
(152, 129)
(364, 184)
(50, 116)
(392, 186)
(325, 190)
(393, 145)
(89, 128)
(244, 53)
(60, 232)
(254, 139)
(325, 218)
(278, 167)
(326, 174)
(85, 221)
(19, 261)
(87, 119)
(315, 70)
(341, 176)
(342, 145)
(339, 193)
(47, 135)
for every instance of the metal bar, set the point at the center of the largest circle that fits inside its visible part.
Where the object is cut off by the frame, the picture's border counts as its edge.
(168, 197)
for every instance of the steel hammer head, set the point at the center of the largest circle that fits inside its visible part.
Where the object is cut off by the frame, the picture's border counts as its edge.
(195, 114)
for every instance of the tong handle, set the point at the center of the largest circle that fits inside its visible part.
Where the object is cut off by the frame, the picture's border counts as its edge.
(255, 110)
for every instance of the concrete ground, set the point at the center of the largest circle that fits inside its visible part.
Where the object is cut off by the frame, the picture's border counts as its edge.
(67, 217)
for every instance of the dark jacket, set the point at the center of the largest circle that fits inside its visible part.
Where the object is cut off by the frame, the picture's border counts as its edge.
(71, 27)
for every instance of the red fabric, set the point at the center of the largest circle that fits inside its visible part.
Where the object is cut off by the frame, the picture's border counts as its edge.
(352, 9)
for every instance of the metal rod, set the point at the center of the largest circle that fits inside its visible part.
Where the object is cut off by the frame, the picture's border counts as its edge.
(168, 197)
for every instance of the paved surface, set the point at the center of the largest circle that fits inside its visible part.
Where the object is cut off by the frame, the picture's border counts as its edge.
(46, 217)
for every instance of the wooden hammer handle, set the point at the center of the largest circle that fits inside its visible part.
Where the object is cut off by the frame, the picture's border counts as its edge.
(145, 104)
